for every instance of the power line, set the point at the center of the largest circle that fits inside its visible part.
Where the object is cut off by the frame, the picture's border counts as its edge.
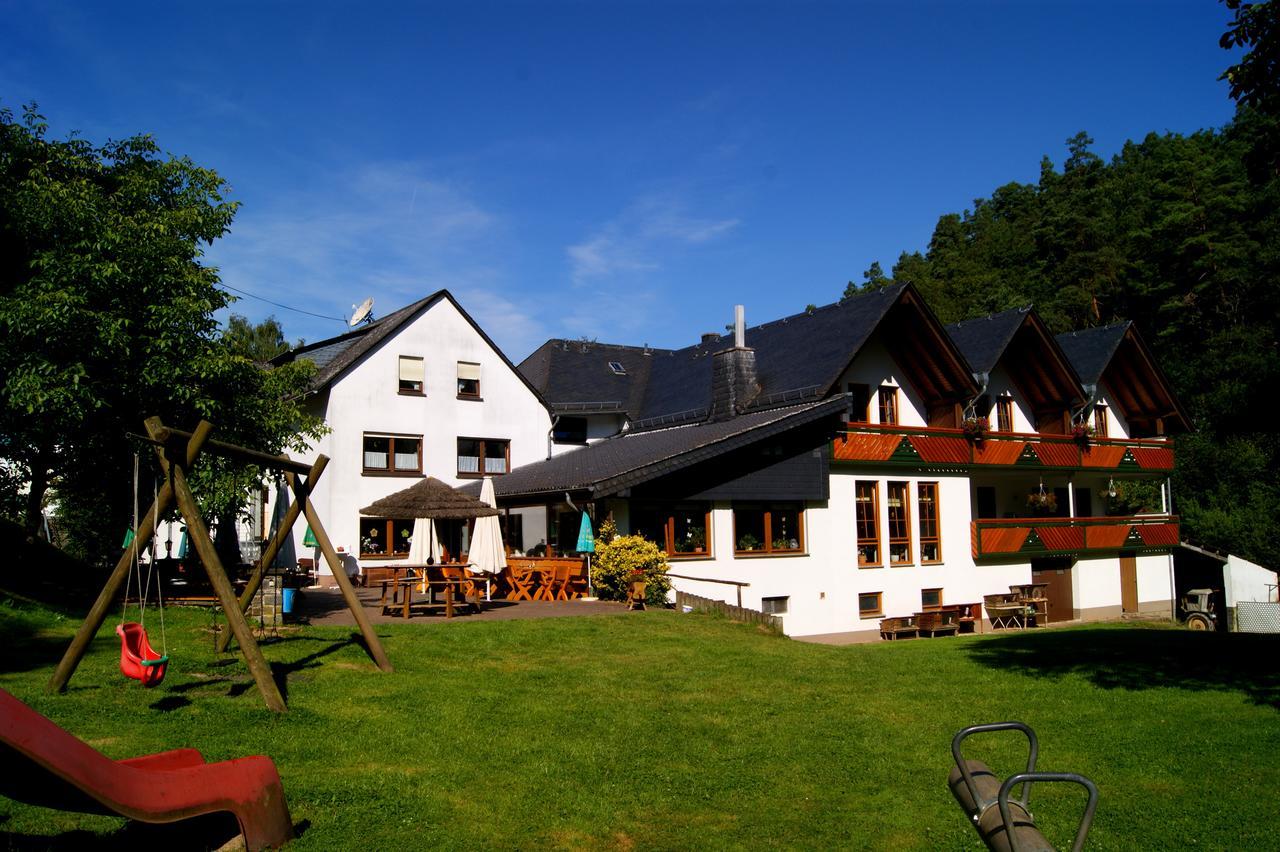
(280, 305)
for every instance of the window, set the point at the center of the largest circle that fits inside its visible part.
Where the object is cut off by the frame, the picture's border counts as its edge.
(986, 499)
(393, 454)
(775, 528)
(899, 524)
(617, 368)
(869, 605)
(888, 404)
(930, 537)
(930, 599)
(1100, 421)
(512, 527)
(570, 430)
(412, 375)
(385, 536)
(859, 403)
(868, 523)
(681, 530)
(483, 456)
(1004, 414)
(774, 606)
(468, 380)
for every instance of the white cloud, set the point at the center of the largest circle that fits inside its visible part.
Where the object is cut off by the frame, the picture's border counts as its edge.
(387, 230)
(637, 240)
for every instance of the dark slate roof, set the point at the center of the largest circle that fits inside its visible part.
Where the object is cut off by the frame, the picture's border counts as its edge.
(983, 340)
(1090, 350)
(333, 356)
(575, 376)
(631, 458)
(797, 357)
(800, 355)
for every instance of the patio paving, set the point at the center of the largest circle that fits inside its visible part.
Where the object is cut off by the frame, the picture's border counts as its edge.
(325, 606)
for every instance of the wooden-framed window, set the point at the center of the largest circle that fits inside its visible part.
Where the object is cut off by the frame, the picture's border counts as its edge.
(468, 380)
(774, 606)
(899, 523)
(859, 402)
(1100, 421)
(483, 457)
(412, 375)
(867, 521)
(927, 512)
(930, 599)
(768, 528)
(888, 397)
(1004, 413)
(682, 531)
(869, 604)
(392, 455)
(385, 536)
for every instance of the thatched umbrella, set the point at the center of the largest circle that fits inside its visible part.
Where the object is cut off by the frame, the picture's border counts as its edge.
(428, 498)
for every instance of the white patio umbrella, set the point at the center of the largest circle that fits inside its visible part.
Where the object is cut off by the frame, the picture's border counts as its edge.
(487, 555)
(426, 543)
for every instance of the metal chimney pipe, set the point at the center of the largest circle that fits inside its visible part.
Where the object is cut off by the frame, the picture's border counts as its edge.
(739, 326)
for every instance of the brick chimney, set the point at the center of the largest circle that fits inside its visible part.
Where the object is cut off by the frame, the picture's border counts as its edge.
(733, 373)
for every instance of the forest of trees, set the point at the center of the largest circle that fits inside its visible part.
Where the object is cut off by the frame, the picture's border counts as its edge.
(1180, 234)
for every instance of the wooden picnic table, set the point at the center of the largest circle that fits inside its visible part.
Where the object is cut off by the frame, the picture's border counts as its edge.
(401, 589)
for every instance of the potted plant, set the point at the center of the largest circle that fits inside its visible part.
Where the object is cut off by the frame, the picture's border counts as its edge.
(747, 541)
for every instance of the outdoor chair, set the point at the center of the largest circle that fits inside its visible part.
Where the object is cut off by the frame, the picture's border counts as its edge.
(576, 583)
(521, 579)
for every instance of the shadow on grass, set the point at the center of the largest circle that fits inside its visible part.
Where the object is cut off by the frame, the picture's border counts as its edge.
(1134, 659)
(26, 651)
(210, 831)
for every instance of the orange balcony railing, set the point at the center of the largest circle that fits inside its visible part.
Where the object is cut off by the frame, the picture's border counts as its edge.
(1007, 537)
(921, 446)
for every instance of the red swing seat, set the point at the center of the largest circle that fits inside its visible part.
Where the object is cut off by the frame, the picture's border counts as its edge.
(138, 660)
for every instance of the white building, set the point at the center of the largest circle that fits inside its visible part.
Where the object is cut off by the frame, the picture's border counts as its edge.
(818, 466)
(421, 392)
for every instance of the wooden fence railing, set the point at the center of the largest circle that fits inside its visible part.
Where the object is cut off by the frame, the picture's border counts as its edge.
(736, 613)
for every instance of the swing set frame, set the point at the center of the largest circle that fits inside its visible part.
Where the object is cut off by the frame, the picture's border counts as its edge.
(177, 452)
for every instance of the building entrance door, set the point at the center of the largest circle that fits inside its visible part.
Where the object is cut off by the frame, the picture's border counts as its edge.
(1056, 575)
(1128, 582)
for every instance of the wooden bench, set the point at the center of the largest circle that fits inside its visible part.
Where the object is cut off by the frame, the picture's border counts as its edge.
(1003, 823)
(897, 628)
(939, 622)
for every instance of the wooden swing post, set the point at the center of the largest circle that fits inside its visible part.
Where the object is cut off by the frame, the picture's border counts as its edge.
(146, 529)
(302, 497)
(277, 541)
(199, 537)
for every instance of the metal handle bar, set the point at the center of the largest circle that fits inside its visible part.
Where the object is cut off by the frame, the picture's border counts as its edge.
(1025, 778)
(1032, 753)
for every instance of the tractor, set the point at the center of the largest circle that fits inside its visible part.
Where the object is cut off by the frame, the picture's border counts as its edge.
(1197, 610)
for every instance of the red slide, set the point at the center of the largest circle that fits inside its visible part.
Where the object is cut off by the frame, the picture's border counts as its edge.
(42, 764)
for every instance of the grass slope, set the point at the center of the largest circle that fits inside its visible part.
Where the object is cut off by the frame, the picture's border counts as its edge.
(662, 731)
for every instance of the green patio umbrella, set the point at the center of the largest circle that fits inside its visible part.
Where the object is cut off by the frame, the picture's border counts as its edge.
(309, 540)
(587, 545)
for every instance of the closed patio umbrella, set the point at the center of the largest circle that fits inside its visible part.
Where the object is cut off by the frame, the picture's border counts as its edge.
(487, 555)
(425, 545)
(587, 545)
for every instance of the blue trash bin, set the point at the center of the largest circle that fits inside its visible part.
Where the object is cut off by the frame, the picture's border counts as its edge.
(288, 601)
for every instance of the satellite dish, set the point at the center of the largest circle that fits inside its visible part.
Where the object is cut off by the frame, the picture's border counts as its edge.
(364, 313)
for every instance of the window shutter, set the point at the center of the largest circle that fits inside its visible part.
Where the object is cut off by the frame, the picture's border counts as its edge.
(412, 369)
(468, 371)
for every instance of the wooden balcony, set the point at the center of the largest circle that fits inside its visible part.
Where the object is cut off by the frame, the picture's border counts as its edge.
(1005, 537)
(951, 449)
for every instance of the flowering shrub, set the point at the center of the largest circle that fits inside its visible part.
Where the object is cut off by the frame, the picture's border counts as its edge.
(624, 559)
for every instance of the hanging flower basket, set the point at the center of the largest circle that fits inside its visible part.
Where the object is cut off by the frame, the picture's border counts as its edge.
(1042, 502)
(1082, 432)
(976, 428)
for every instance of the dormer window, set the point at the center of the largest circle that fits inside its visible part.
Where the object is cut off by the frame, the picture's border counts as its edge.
(618, 369)
(468, 380)
(1004, 413)
(1100, 421)
(412, 375)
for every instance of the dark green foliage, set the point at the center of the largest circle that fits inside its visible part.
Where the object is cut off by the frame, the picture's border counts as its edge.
(106, 317)
(1178, 234)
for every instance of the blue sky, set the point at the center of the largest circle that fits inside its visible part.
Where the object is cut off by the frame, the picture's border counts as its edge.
(620, 171)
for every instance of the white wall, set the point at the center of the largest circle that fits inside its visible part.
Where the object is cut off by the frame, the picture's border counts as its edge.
(874, 367)
(998, 385)
(1247, 581)
(1117, 425)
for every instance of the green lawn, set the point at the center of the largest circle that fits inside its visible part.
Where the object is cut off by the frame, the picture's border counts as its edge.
(658, 730)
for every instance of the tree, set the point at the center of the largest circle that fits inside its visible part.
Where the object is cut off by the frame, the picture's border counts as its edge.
(1255, 79)
(259, 343)
(106, 317)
